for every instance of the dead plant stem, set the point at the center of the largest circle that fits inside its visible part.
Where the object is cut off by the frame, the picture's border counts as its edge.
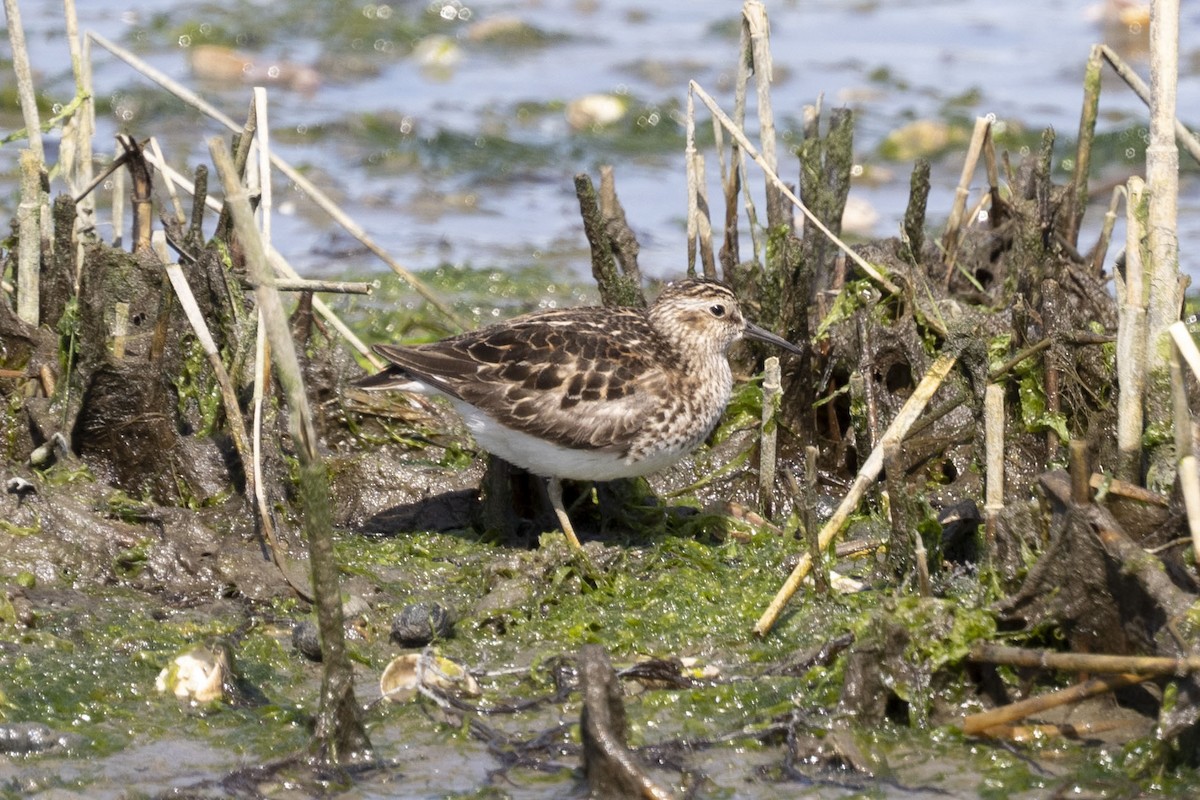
(873, 273)
(907, 415)
(24, 75)
(302, 182)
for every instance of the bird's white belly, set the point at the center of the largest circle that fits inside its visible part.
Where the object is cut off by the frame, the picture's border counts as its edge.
(549, 459)
(553, 460)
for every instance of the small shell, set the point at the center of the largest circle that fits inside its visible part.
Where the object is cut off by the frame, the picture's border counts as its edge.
(406, 673)
(199, 675)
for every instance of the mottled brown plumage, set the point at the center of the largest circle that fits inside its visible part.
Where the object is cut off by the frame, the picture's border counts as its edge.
(588, 393)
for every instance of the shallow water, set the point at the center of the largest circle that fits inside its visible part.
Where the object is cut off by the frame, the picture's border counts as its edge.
(891, 62)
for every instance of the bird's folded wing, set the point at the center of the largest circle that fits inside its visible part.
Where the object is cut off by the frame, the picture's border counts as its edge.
(586, 390)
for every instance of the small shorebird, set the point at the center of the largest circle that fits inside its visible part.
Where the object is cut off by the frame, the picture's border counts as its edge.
(589, 393)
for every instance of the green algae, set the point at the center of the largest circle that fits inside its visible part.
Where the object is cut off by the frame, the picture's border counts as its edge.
(91, 669)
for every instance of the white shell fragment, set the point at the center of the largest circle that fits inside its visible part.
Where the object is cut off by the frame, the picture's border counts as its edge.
(402, 678)
(198, 675)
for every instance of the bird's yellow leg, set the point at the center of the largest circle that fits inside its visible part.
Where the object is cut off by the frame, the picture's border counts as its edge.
(554, 490)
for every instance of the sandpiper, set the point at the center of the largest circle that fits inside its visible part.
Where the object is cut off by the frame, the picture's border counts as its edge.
(591, 393)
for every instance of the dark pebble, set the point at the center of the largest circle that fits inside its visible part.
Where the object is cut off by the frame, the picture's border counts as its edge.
(27, 738)
(306, 639)
(418, 624)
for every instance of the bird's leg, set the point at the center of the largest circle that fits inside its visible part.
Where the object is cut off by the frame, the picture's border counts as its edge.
(554, 490)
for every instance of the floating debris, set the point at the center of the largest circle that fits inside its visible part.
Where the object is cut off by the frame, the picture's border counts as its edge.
(596, 111)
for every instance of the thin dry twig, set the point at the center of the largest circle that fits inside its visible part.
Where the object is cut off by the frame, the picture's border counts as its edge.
(176, 204)
(281, 267)
(895, 432)
(1103, 485)
(975, 724)
(1183, 135)
(331, 287)
(950, 239)
(872, 272)
(1100, 252)
(318, 196)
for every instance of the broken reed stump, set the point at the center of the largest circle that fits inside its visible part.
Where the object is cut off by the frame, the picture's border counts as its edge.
(611, 768)
(618, 287)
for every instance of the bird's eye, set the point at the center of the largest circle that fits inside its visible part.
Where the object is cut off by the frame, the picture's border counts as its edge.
(718, 310)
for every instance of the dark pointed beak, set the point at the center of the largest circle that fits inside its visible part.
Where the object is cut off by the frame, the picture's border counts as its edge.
(763, 335)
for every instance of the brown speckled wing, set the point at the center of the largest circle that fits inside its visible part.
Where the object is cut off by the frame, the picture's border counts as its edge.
(583, 378)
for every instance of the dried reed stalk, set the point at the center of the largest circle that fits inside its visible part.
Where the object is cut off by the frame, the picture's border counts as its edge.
(339, 735)
(84, 129)
(895, 432)
(693, 188)
(24, 75)
(872, 272)
(176, 203)
(699, 224)
(262, 364)
(29, 253)
(262, 135)
(772, 400)
(118, 200)
(993, 424)
(1081, 662)
(1078, 199)
(1131, 342)
(758, 32)
(738, 167)
(331, 287)
(323, 201)
(1100, 252)
(975, 724)
(1162, 175)
(952, 235)
(1183, 136)
(703, 224)
(1189, 474)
